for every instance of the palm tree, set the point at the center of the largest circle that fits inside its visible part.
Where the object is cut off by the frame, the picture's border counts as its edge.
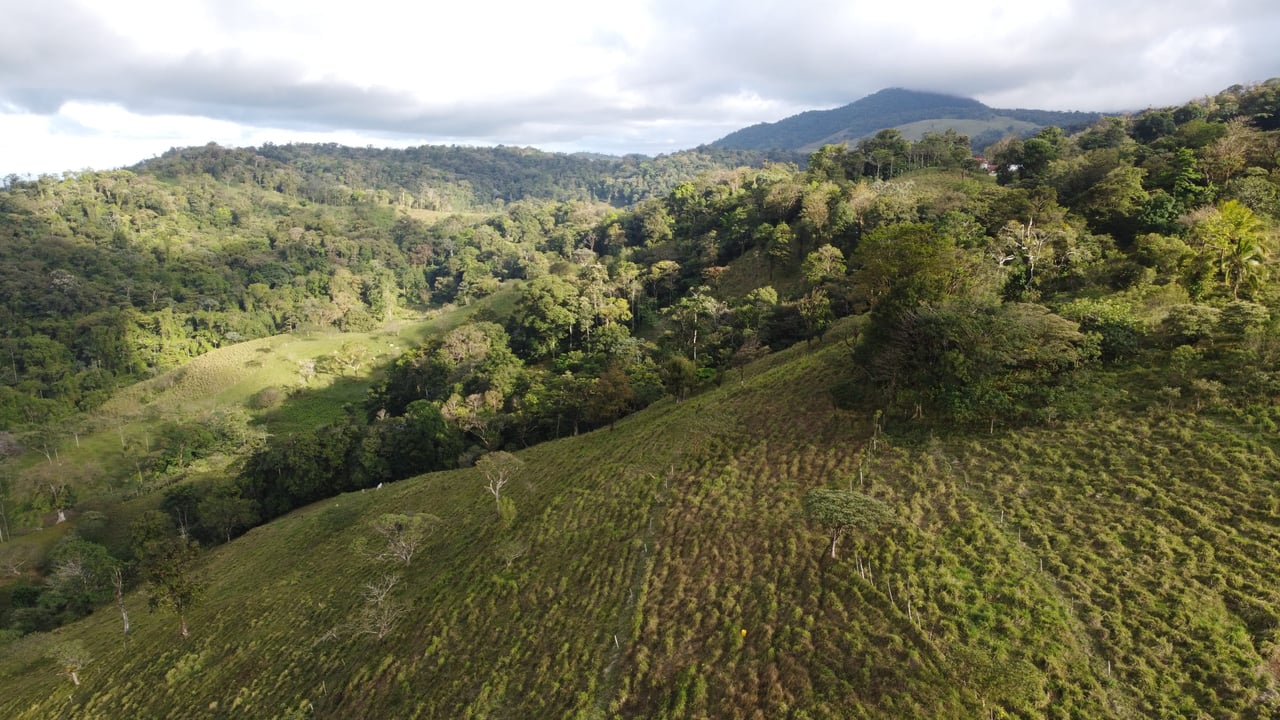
(1240, 240)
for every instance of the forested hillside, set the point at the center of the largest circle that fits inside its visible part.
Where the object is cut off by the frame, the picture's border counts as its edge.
(892, 435)
(111, 277)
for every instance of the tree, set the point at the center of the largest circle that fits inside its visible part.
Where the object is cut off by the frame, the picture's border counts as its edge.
(379, 612)
(779, 245)
(901, 266)
(420, 441)
(747, 353)
(694, 313)
(815, 311)
(663, 275)
(499, 468)
(117, 582)
(611, 395)
(403, 534)
(479, 414)
(351, 358)
(512, 549)
(6, 485)
(679, 375)
(15, 559)
(223, 511)
(972, 360)
(755, 307)
(81, 572)
(1031, 244)
(845, 510)
(1236, 236)
(545, 314)
(168, 566)
(1230, 154)
(181, 502)
(1112, 205)
(71, 657)
(887, 151)
(826, 264)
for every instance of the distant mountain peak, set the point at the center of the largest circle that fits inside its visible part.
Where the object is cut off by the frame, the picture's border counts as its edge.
(887, 108)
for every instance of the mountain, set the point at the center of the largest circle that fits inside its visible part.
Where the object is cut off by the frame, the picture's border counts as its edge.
(893, 108)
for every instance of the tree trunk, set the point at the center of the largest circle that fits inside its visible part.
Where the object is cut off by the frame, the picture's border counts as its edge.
(185, 632)
(835, 538)
(117, 579)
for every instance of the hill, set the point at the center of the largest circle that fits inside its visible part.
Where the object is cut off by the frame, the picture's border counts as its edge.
(894, 108)
(448, 178)
(663, 569)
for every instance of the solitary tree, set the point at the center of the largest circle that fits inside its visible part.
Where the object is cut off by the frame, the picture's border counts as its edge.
(403, 533)
(498, 468)
(117, 582)
(379, 612)
(71, 657)
(511, 550)
(841, 510)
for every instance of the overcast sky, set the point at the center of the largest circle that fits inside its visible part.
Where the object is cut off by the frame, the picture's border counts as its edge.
(87, 83)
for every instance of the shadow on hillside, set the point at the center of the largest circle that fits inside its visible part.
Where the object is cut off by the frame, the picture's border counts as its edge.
(307, 408)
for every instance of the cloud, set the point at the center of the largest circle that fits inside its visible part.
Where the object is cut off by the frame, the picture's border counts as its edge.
(648, 76)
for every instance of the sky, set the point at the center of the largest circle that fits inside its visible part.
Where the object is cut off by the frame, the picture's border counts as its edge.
(92, 84)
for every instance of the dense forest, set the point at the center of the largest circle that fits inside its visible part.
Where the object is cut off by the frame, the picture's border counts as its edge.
(1126, 265)
(114, 276)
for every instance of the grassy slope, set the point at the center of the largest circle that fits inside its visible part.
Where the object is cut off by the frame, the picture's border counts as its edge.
(1122, 566)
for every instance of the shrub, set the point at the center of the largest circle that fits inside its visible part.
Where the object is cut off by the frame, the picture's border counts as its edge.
(267, 398)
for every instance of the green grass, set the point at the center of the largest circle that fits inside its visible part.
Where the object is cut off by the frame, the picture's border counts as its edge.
(1120, 565)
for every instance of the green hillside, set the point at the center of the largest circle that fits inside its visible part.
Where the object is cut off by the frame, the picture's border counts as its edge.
(1078, 570)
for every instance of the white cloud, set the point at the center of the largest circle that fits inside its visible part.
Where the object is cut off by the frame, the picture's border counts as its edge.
(103, 84)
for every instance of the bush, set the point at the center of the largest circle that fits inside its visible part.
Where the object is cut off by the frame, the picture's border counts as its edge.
(267, 398)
